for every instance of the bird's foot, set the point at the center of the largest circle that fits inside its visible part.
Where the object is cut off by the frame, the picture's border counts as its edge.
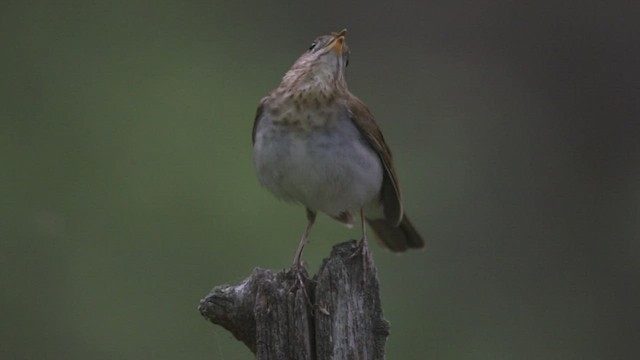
(362, 249)
(301, 279)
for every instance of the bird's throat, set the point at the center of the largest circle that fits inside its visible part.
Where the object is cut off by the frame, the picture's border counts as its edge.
(318, 80)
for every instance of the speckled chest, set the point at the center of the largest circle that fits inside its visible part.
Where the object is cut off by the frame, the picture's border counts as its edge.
(302, 112)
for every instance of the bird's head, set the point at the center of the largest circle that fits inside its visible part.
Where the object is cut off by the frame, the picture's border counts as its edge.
(322, 66)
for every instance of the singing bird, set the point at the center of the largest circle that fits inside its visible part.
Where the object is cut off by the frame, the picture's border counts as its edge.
(317, 144)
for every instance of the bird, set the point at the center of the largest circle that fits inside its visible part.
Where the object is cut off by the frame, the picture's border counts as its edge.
(317, 144)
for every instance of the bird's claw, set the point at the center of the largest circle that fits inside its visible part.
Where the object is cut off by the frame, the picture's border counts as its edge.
(301, 279)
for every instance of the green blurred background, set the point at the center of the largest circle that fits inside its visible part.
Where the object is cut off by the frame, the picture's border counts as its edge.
(128, 188)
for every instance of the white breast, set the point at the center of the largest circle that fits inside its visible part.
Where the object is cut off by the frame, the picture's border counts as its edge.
(330, 170)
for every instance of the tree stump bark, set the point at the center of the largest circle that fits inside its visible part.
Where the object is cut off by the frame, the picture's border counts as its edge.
(336, 315)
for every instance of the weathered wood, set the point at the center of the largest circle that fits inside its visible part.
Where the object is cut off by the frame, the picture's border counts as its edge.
(337, 315)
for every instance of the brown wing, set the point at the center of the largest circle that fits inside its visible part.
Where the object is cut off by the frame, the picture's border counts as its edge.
(390, 192)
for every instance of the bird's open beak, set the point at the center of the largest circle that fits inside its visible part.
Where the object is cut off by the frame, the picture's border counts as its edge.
(337, 44)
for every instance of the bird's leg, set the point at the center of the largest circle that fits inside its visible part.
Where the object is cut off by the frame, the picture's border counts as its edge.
(363, 246)
(297, 260)
(363, 242)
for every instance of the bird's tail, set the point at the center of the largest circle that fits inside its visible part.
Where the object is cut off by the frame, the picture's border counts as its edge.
(396, 238)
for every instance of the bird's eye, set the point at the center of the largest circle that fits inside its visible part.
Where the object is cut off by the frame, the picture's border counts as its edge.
(313, 45)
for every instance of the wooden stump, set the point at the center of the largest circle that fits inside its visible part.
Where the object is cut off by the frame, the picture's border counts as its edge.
(337, 315)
